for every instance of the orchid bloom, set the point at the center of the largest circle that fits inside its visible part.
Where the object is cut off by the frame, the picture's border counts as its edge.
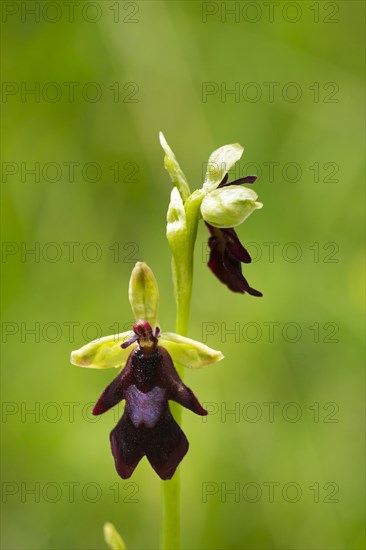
(147, 381)
(223, 205)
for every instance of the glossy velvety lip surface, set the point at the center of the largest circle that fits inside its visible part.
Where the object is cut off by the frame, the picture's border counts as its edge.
(226, 255)
(147, 427)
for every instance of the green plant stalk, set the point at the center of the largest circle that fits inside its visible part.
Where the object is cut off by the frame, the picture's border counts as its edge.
(183, 277)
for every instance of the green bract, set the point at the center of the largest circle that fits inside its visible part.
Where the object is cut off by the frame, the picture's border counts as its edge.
(229, 206)
(176, 173)
(106, 352)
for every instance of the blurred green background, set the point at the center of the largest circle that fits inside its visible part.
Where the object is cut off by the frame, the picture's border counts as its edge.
(285, 468)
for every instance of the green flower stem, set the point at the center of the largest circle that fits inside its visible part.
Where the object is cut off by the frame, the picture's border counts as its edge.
(171, 498)
(183, 268)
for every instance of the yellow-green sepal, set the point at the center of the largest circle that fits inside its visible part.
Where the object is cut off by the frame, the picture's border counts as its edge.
(187, 352)
(104, 353)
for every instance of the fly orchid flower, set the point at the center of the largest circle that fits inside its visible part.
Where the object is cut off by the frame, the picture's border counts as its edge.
(223, 205)
(147, 381)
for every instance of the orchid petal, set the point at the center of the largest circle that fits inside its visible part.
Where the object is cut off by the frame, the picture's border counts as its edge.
(188, 352)
(219, 163)
(104, 353)
(229, 206)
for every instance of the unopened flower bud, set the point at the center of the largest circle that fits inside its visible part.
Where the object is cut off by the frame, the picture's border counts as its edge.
(112, 537)
(143, 293)
(176, 229)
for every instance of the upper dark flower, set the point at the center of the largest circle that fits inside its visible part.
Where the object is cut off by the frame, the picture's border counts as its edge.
(227, 253)
(147, 427)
